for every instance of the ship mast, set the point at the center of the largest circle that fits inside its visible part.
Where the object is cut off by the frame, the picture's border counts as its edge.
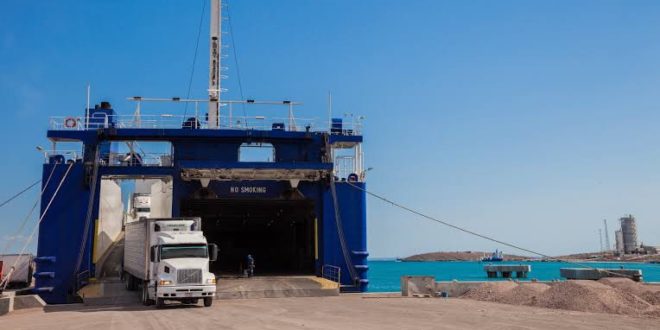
(215, 46)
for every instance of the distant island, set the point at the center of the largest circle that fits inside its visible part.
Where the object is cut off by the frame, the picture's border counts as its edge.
(478, 255)
(460, 256)
(610, 257)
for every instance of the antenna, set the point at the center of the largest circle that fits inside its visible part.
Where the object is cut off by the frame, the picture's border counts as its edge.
(329, 108)
(89, 91)
(608, 247)
(215, 49)
(600, 235)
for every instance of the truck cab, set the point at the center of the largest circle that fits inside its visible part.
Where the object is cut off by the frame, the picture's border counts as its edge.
(175, 263)
(141, 205)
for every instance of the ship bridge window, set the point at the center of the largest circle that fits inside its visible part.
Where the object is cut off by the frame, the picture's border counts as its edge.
(256, 152)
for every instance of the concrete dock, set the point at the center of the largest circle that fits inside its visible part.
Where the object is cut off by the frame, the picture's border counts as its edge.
(598, 273)
(351, 311)
(10, 302)
(506, 271)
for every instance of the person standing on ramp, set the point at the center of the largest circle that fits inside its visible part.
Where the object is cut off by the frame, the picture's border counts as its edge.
(250, 265)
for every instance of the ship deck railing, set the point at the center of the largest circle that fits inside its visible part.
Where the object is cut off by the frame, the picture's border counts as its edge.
(138, 159)
(114, 158)
(171, 121)
(66, 155)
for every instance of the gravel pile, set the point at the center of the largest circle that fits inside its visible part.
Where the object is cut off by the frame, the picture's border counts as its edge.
(591, 296)
(523, 294)
(650, 293)
(618, 297)
(490, 291)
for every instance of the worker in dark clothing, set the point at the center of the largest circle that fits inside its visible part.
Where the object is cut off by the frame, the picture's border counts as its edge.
(250, 265)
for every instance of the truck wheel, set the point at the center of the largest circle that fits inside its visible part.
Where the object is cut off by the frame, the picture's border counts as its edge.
(145, 295)
(160, 302)
(208, 301)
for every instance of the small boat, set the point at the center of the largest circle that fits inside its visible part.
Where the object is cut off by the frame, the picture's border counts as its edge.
(495, 257)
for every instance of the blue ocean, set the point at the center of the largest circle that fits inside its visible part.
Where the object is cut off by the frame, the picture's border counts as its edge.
(384, 275)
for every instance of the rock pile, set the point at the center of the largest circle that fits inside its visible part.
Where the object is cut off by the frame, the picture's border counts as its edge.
(650, 293)
(490, 291)
(617, 296)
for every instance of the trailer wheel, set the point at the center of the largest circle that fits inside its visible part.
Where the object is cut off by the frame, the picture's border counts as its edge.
(131, 283)
(208, 301)
(134, 283)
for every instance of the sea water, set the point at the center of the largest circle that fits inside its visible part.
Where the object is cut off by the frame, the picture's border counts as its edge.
(385, 275)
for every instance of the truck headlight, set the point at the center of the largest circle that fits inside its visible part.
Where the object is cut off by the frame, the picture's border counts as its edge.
(164, 282)
(210, 281)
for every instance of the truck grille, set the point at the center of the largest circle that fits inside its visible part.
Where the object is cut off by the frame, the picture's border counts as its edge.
(189, 276)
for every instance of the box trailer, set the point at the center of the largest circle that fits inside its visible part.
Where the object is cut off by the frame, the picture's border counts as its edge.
(168, 259)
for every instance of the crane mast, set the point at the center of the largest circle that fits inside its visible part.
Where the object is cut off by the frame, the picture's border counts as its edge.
(215, 49)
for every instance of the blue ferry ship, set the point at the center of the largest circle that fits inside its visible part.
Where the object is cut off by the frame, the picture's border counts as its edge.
(300, 209)
(496, 256)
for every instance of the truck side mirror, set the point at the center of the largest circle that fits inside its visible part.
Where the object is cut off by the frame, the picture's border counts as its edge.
(152, 254)
(213, 252)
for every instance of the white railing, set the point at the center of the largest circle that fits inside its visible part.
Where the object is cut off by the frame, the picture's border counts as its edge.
(67, 155)
(169, 121)
(138, 159)
(344, 165)
(348, 162)
(351, 125)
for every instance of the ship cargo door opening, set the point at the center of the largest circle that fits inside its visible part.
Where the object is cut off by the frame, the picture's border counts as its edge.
(279, 234)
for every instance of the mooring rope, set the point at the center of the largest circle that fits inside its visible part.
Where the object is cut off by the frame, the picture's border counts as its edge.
(88, 216)
(340, 233)
(27, 217)
(19, 193)
(192, 66)
(43, 215)
(517, 247)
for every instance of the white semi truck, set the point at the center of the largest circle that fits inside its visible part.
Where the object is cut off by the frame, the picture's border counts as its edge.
(169, 260)
(141, 205)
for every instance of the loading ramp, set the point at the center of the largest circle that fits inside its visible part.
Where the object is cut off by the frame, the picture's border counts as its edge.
(112, 291)
(276, 287)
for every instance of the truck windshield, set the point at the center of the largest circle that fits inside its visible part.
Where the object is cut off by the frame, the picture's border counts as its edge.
(183, 251)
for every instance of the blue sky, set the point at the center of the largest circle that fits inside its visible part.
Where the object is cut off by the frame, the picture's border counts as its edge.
(527, 120)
